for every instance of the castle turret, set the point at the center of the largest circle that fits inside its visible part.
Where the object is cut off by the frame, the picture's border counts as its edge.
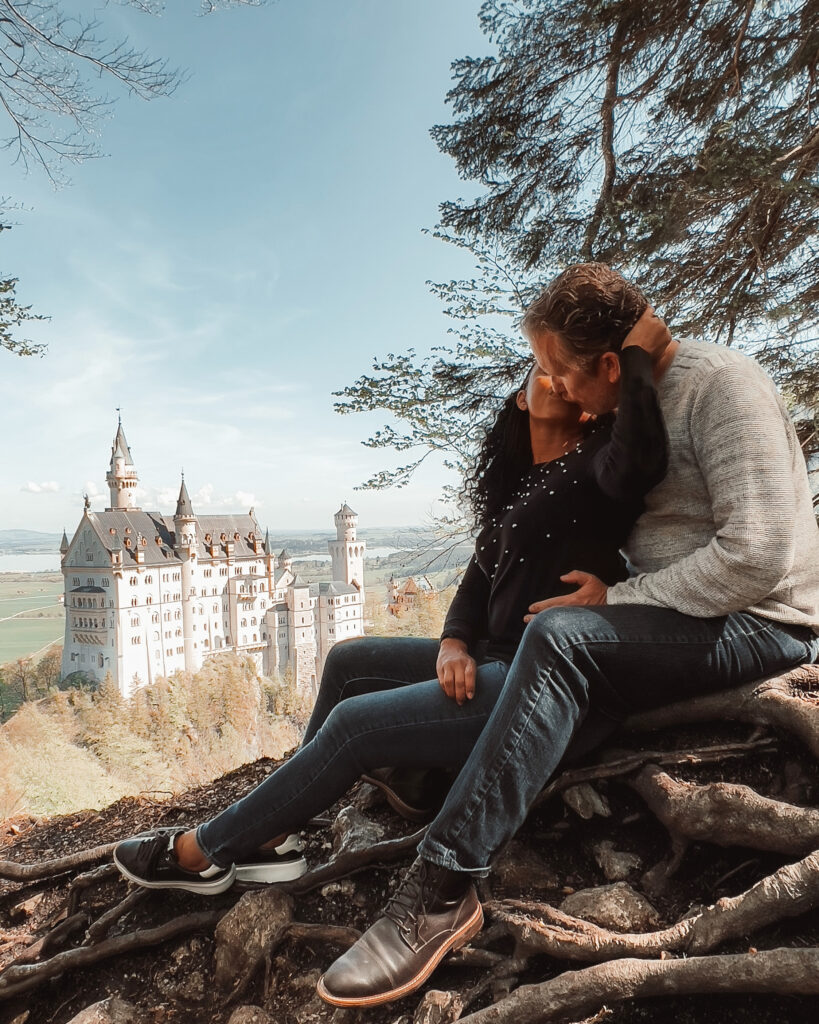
(184, 524)
(64, 545)
(346, 551)
(122, 476)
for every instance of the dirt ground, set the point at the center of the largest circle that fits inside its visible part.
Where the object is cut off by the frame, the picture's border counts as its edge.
(172, 982)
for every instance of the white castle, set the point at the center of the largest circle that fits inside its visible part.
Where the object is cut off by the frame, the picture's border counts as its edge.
(147, 595)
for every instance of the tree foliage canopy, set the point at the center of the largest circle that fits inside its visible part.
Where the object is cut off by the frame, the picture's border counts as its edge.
(677, 141)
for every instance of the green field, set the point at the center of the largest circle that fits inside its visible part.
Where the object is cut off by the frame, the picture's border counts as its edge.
(31, 616)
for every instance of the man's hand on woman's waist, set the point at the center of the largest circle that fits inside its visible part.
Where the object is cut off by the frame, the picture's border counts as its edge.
(590, 590)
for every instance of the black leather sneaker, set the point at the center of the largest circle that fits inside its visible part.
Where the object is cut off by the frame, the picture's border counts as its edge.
(282, 863)
(148, 859)
(433, 912)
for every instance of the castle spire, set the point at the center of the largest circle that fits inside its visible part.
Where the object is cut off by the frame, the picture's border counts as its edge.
(184, 508)
(122, 476)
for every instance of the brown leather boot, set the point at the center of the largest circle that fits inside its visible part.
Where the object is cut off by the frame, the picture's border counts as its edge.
(433, 912)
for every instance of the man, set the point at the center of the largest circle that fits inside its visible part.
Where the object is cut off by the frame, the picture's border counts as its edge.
(725, 590)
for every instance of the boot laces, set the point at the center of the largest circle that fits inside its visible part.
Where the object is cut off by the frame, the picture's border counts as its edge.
(405, 904)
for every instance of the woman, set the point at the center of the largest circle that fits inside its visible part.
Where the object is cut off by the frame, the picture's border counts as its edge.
(555, 495)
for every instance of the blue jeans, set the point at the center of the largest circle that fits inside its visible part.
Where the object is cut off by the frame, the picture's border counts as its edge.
(372, 711)
(379, 705)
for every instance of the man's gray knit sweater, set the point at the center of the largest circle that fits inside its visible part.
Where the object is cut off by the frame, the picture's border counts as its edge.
(731, 527)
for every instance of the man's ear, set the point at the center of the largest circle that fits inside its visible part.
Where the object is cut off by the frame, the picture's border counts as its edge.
(610, 363)
(520, 400)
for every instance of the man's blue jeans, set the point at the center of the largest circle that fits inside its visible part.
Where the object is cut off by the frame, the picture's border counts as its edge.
(373, 712)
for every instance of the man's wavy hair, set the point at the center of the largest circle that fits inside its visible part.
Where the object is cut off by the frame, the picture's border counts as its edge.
(591, 307)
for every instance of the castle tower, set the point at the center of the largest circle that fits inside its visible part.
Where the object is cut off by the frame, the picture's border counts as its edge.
(346, 552)
(184, 524)
(122, 476)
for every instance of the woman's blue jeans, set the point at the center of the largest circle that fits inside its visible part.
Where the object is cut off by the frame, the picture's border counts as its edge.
(380, 705)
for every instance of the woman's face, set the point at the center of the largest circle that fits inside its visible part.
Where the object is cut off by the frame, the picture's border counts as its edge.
(542, 402)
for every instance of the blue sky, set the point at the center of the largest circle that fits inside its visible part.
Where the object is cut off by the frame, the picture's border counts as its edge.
(245, 248)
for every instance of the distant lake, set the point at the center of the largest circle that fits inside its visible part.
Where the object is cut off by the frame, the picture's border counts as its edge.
(30, 563)
(51, 563)
(324, 557)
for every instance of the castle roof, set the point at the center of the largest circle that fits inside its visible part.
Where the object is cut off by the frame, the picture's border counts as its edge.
(116, 527)
(183, 504)
(345, 510)
(335, 588)
(120, 446)
(285, 556)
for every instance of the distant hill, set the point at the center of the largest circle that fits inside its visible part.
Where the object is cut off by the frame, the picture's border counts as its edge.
(23, 542)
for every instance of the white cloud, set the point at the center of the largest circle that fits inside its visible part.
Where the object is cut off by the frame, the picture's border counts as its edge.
(204, 496)
(47, 487)
(246, 499)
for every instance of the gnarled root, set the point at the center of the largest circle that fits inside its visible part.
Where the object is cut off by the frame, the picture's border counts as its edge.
(727, 814)
(789, 701)
(58, 866)
(788, 892)
(788, 971)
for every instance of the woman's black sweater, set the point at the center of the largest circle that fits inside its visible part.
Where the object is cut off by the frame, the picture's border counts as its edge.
(574, 512)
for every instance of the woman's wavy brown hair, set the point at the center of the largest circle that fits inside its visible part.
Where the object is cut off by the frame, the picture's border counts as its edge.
(591, 307)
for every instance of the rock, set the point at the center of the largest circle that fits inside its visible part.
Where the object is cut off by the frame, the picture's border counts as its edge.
(27, 907)
(250, 1015)
(248, 934)
(586, 801)
(520, 867)
(439, 1008)
(109, 1011)
(616, 865)
(352, 831)
(368, 796)
(346, 887)
(616, 906)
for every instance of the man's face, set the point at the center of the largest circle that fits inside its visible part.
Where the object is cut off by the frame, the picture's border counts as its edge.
(595, 392)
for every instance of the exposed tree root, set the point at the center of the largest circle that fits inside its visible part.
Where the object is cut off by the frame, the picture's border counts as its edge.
(59, 866)
(22, 978)
(788, 892)
(789, 701)
(100, 928)
(349, 863)
(330, 934)
(632, 762)
(786, 971)
(727, 814)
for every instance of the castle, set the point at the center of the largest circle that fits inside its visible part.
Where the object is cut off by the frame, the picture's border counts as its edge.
(147, 595)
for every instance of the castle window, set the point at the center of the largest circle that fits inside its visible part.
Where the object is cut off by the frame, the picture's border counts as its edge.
(106, 582)
(149, 599)
(89, 582)
(261, 588)
(133, 581)
(75, 581)
(253, 621)
(244, 622)
(89, 556)
(134, 602)
(154, 617)
(149, 579)
(254, 638)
